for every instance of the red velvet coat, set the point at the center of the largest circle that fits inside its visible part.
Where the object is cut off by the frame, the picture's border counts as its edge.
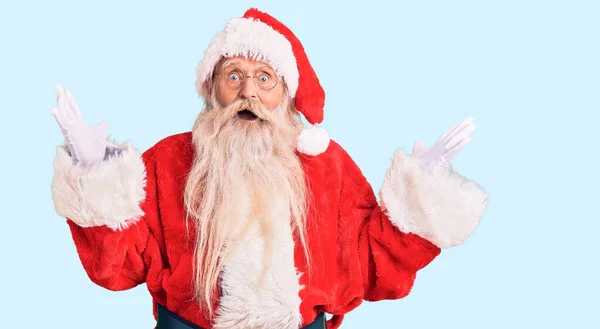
(127, 220)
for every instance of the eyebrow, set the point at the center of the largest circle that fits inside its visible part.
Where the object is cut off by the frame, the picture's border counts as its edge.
(229, 62)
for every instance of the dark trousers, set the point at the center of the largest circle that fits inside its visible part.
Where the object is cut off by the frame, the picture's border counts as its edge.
(170, 320)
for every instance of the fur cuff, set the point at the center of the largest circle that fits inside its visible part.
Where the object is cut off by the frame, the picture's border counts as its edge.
(442, 207)
(108, 193)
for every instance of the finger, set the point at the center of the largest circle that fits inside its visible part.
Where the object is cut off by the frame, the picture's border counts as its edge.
(73, 105)
(57, 116)
(457, 148)
(418, 148)
(61, 101)
(68, 108)
(457, 127)
(61, 113)
(58, 88)
(449, 131)
(452, 140)
(63, 107)
(101, 130)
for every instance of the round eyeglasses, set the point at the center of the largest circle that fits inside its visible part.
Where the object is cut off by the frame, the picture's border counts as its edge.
(233, 78)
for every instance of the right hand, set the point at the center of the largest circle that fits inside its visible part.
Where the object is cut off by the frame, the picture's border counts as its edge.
(87, 144)
(446, 148)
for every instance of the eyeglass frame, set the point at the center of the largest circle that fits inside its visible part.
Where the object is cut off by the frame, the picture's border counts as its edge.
(245, 76)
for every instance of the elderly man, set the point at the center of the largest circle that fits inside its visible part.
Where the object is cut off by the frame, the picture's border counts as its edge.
(251, 220)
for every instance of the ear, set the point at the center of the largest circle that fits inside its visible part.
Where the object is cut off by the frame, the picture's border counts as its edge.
(208, 88)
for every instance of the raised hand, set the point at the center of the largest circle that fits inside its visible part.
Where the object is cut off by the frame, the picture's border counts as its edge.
(446, 148)
(86, 143)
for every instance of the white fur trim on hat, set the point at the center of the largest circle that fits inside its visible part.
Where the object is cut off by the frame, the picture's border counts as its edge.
(313, 141)
(254, 39)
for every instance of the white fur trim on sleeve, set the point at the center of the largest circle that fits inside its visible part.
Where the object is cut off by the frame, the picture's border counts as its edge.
(442, 207)
(108, 193)
(254, 39)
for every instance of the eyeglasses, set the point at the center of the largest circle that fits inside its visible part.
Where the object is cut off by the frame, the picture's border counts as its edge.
(265, 78)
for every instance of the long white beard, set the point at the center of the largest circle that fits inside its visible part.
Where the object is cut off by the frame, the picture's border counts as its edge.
(240, 168)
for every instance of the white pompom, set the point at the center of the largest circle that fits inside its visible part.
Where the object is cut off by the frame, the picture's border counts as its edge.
(313, 140)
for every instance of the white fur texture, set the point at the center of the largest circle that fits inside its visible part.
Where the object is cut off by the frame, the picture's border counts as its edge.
(275, 302)
(442, 207)
(313, 141)
(255, 39)
(108, 193)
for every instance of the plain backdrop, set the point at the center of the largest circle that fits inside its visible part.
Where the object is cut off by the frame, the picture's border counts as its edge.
(394, 72)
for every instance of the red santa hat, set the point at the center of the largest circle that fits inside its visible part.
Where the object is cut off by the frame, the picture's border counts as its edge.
(262, 37)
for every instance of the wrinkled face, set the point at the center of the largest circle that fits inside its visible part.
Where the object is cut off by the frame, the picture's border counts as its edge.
(239, 78)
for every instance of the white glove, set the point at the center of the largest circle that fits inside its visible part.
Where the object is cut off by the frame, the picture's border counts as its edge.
(446, 148)
(87, 144)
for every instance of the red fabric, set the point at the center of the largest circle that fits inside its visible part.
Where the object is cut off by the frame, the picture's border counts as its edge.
(357, 254)
(310, 96)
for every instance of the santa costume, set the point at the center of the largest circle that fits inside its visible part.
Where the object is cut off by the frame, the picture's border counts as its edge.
(128, 221)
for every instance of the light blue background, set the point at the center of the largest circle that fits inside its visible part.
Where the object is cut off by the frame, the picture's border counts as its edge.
(527, 71)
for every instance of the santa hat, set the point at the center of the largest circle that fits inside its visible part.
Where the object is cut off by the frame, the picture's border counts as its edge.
(262, 37)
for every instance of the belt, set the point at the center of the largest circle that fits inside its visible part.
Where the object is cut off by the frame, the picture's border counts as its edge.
(170, 320)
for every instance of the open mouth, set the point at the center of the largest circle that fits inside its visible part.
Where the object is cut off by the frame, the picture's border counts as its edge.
(246, 114)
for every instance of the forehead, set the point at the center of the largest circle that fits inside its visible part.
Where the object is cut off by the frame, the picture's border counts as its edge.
(247, 64)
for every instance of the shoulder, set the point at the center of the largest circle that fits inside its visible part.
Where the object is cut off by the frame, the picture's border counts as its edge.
(176, 142)
(339, 172)
(336, 157)
(173, 151)
(171, 145)
(335, 163)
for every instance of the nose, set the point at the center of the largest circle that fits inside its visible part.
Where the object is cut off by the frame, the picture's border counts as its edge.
(248, 89)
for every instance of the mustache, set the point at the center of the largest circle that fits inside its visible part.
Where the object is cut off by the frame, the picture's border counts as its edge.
(254, 106)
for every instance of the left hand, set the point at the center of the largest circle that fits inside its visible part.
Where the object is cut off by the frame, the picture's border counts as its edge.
(446, 148)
